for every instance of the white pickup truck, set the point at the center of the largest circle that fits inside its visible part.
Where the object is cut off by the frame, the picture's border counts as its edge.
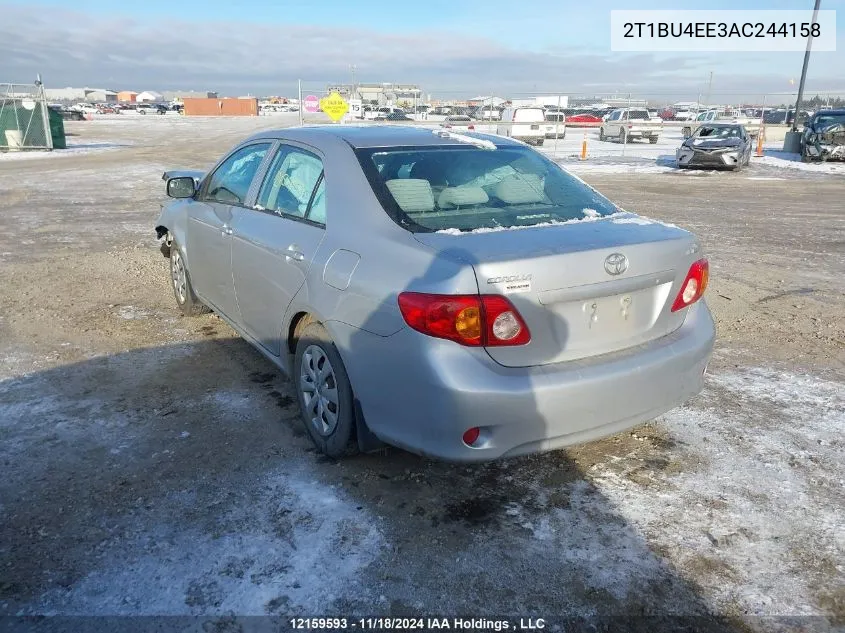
(752, 126)
(630, 123)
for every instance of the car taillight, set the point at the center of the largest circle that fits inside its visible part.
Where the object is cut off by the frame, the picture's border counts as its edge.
(473, 320)
(471, 127)
(694, 285)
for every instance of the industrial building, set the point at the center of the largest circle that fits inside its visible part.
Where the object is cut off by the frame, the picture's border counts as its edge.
(384, 94)
(91, 95)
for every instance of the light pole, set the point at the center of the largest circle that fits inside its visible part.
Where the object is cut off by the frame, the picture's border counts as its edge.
(804, 69)
(352, 69)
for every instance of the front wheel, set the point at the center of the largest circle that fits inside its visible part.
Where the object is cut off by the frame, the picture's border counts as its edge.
(181, 281)
(324, 393)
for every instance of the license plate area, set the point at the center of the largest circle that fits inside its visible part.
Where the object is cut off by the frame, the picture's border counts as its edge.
(535, 127)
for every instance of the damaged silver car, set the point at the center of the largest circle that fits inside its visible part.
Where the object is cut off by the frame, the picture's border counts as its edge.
(824, 136)
(725, 145)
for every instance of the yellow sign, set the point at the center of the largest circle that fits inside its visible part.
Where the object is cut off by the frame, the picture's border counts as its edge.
(335, 106)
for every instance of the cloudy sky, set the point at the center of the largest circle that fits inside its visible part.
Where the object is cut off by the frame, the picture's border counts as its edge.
(452, 48)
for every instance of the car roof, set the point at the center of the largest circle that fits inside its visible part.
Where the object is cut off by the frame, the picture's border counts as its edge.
(837, 112)
(365, 136)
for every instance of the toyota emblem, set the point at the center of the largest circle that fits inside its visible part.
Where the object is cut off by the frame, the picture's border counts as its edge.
(615, 264)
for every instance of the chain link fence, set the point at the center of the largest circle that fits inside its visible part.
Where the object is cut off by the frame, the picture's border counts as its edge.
(571, 124)
(25, 121)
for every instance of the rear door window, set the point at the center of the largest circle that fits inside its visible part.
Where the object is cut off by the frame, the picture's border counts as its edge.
(289, 186)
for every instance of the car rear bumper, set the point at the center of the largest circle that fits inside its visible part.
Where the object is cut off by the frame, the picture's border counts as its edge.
(422, 394)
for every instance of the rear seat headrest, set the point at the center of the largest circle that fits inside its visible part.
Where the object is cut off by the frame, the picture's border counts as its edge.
(413, 195)
(520, 189)
(460, 196)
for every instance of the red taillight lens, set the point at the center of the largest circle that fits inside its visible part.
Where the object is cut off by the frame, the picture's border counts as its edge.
(471, 127)
(471, 436)
(474, 320)
(694, 285)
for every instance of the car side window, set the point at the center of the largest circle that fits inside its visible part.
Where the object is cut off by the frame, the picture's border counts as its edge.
(290, 182)
(230, 182)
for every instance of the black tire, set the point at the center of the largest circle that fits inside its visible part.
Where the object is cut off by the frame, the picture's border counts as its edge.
(652, 140)
(182, 288)
(540, 141)
(601, 134)
(142, 112)
(312, 349)
(623, 136)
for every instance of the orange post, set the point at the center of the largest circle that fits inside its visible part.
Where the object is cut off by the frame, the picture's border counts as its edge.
(760, 135)
(584, 147)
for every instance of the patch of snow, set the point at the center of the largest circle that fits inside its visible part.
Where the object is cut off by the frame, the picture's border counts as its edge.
(632, 220)
(72, 150)
(132, 313)
(591, 213)
(788, 160)
(497, 229)
(305, 550)
(748, 499)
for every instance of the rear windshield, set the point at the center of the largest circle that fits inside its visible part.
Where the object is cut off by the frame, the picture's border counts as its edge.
(638, 114)
(466, 188)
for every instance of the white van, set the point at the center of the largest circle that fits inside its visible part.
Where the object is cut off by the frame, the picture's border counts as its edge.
(524, 124)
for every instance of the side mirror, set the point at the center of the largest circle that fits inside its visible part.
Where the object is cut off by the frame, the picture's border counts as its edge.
(181, 187)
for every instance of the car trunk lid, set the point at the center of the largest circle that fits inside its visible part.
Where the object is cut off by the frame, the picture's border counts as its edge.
(584, 289)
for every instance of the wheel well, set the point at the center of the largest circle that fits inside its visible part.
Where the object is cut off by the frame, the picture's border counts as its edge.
(297, 324)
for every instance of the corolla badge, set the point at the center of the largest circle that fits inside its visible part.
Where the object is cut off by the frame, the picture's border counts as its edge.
(615, 264)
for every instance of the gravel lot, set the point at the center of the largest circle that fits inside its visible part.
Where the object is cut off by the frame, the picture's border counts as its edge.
(155, 464)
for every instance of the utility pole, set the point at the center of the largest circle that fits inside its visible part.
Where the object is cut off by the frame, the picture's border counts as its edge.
(352, 91)
(804, 69)
(709, 86)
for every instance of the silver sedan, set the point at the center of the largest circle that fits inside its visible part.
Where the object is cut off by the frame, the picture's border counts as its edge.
(457, 295)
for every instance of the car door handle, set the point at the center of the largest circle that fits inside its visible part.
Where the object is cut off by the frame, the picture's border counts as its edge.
(294, 253)
(226, 230)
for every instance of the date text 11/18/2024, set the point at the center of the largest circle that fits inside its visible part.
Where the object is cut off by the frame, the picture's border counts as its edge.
(417, 624)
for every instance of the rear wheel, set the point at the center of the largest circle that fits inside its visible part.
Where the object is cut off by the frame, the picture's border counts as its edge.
(181, 282)
(652, 140)
(601, 134)
(324, 392)
(623, 136)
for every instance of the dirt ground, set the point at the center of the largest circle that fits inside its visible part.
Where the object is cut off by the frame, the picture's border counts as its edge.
(155, 464)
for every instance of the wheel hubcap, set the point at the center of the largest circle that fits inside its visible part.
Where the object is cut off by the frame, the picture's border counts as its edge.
(180, 278)
(318, 386)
